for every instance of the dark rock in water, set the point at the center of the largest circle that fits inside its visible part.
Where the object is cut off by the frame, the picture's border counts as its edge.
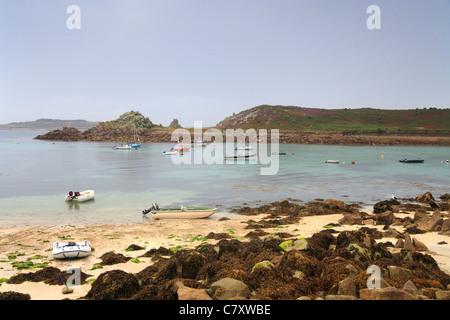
(425, 198)
(113, 285)
(66, 134)
(429, 199)
(386, 205)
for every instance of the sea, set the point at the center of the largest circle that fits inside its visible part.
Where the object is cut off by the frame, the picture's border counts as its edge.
(36, 175)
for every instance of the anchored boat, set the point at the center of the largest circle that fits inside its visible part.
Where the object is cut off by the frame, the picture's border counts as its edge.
(80, 196)
(404, 160)
(239, 156)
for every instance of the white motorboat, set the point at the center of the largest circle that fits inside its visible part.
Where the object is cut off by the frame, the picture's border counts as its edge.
(65, 250)
(239, 156)
(123, 147)
(80, 196)
(180, 213)
(244, 148)
(168, 153)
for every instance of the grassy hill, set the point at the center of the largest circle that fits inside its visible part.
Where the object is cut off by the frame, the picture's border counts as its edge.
(363, 120)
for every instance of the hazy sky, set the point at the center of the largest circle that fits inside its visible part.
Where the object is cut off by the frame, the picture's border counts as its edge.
(205, 59)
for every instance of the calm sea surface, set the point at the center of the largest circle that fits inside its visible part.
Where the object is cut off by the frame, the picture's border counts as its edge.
(36, 175)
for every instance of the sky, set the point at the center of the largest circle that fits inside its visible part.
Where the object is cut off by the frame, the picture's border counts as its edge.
(203, 60)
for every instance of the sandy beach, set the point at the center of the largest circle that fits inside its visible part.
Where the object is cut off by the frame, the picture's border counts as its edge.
(34, 243)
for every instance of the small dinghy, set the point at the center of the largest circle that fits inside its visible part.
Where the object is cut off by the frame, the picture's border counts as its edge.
(239, 156)
(180, 213)
(404, 160)
(332, 161)
(66, 250)
(80, 196)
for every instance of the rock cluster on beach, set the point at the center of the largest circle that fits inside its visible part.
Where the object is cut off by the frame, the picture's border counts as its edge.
(328, 265)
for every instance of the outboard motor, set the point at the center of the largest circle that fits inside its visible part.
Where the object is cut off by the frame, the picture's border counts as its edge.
(154, 207)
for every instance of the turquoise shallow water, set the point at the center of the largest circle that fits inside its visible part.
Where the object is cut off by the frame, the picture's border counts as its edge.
(36, 175)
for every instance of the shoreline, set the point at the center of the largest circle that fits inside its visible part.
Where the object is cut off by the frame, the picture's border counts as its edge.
(283, 221)
(148, 136)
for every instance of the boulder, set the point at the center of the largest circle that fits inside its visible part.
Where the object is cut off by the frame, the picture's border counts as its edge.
(389, 293)
(335, 204)
(186, 293)
(408, 244)
(425, 198)
(420, 246)
(445, 228)
(410, 287)
(385, 218)
(351, 219)
(443, 295)
(430, 223)
(263, 264)
(384, 206)
(347, 287)
(296, 244)
(227, 288)
(399, 272)
(340, 297)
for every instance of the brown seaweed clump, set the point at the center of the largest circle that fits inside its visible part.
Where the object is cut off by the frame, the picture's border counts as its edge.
(12, 295)
(115, 284)
(111, 258)
(269, 272)
(49, 275)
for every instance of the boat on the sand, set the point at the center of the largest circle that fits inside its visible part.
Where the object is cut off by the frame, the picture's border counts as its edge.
(180, 213)
(65, 250)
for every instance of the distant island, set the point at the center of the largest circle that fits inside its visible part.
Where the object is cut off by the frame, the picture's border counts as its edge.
(366, 126)
(48, 124)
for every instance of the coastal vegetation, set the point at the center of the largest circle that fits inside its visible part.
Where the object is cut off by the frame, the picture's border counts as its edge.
(346, 120)
(366, 126)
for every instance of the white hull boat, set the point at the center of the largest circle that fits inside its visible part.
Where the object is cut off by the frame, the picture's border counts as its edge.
(180, 213)
(240, 156)
(123, 147)
(81, 196)
(244, 148)
(66, 250)
(168, 153)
